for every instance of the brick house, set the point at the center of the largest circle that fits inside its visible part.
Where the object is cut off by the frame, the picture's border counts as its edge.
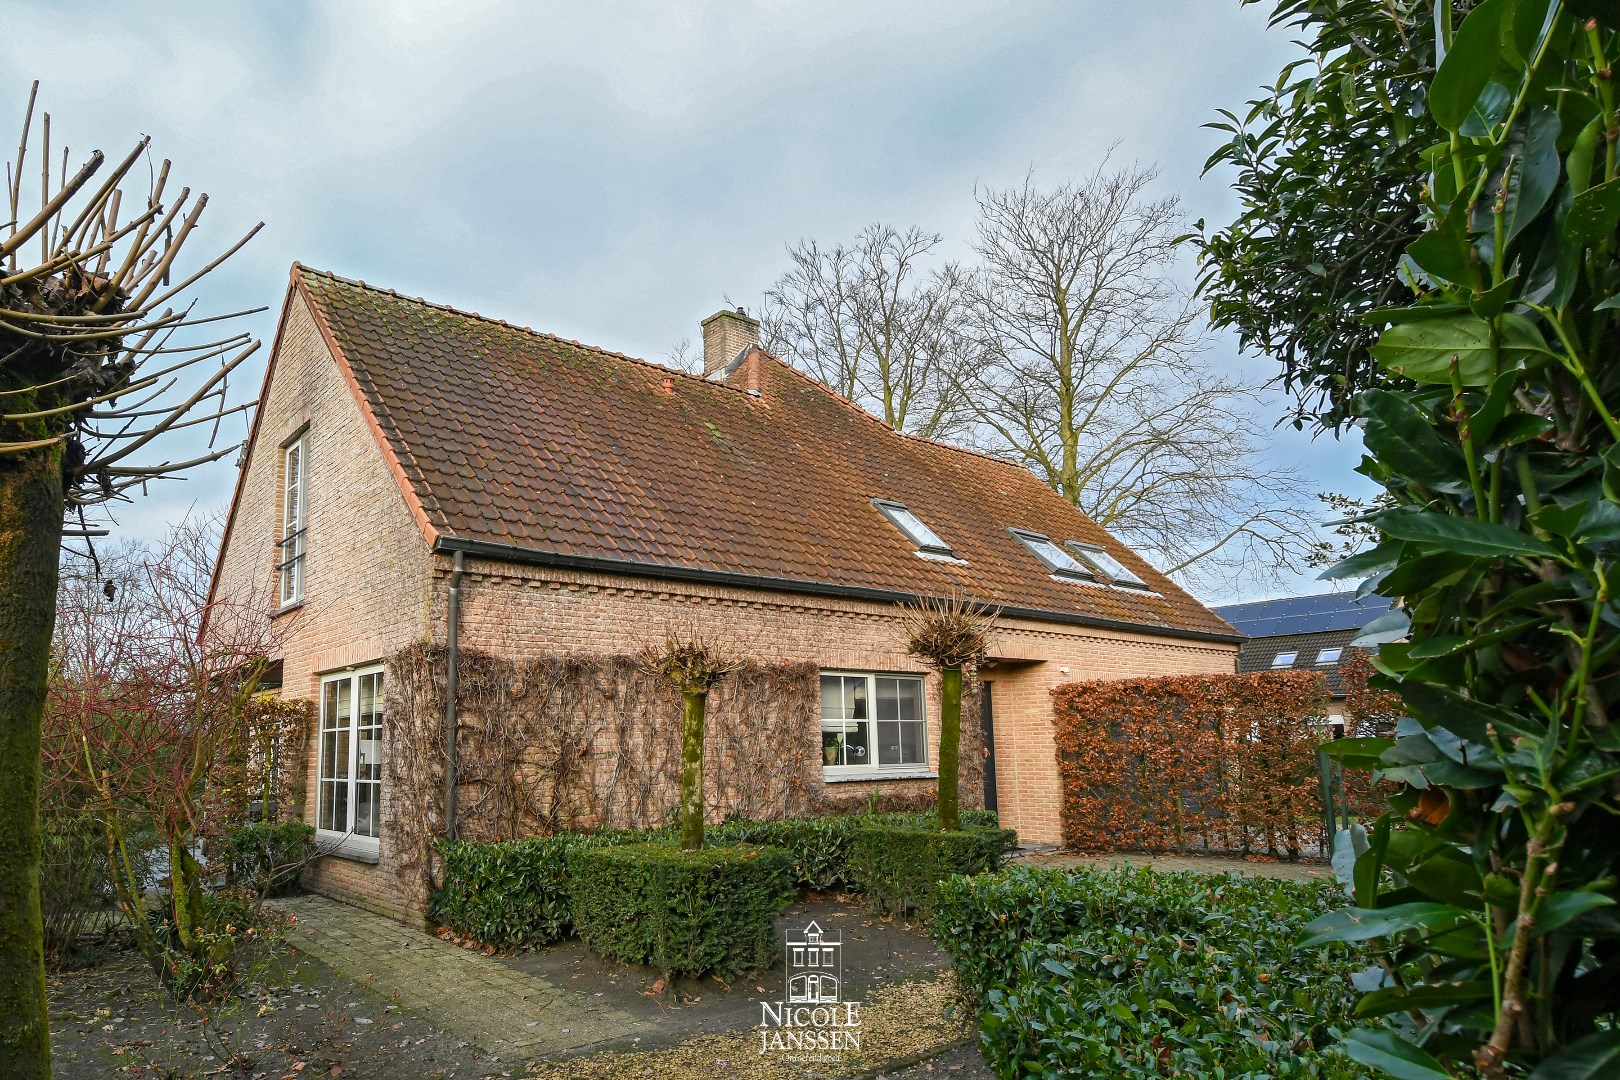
(576, 502)
(1304, 633)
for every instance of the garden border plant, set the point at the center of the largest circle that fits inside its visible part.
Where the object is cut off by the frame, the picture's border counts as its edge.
(1488, 406)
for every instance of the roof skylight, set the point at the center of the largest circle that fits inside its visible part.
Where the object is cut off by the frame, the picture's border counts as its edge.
(1329, 656)
(1057, 560)
(1284, 659)
(927, 540)
(1106, 565)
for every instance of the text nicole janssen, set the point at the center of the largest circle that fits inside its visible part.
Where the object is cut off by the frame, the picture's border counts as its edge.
(806, 1027)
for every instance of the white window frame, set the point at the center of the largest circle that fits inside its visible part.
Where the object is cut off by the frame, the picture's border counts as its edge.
(914, 528)
(345, 840)
(873, 770)
(293, 547)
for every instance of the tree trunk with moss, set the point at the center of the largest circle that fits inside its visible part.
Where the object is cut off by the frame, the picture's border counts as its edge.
(693, 703)
(30, 537)
(950, 743)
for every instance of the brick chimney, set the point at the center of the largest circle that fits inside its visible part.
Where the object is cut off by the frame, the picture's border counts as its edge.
(725, 335)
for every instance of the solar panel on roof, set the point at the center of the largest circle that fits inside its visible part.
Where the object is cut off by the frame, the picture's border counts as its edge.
(1303, 614)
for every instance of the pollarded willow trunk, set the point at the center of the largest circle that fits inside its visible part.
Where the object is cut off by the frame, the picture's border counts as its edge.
(30, 538)
(693, 704)
(950, 742)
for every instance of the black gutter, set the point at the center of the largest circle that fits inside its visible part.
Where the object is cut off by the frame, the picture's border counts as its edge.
(452, 654)
(511, 553)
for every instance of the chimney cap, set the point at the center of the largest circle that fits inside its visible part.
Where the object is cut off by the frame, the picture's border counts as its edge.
(740, 313)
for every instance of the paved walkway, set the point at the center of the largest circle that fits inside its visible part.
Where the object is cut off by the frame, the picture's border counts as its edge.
(472, 996)
(1206, 864)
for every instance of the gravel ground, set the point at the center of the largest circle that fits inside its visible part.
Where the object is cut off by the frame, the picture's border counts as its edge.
(898, 1023)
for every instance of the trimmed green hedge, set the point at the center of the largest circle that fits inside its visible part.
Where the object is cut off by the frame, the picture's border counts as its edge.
(683, 912)
(822, 846)
(1139, 973)
(899, 867)
(514, 894)
(268, 857)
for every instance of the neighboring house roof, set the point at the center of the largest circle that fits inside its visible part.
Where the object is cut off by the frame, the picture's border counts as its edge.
(1303, 614)
(1306, 626)
(516, 444)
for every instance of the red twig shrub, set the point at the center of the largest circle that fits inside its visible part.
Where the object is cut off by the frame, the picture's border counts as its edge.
(1192, 762)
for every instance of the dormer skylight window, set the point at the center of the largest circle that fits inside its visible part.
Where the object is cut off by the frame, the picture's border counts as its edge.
(1110, 568)
(928, 541)
(1060, 562)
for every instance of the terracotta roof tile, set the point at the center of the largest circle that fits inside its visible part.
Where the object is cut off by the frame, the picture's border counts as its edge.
(513, 437)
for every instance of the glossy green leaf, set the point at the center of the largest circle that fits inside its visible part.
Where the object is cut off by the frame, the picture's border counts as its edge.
(1388, 1052)
(1424, 352)
(1560, 908)
(1364, 924)
(1467, 68)
(1402, 437)
(1593, 215)
(1596, 1057)
(1531, 167)
(1363, 563)
(1445, 252)
(1463, 536)
(1439, 995)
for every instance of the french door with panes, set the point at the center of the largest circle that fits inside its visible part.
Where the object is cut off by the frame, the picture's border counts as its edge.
(349, 807)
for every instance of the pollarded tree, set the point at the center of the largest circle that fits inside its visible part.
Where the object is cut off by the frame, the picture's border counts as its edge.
(96, 368)
(694, 664)
(952, 635)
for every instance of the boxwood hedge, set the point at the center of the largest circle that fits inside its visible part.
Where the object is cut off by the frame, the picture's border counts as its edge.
(683, 912)
(514, 894)
(899, 867)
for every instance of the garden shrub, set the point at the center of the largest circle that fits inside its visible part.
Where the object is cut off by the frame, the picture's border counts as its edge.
(821, 846)
(1229, 1000)
(74, 887)
(899, 867)
(514, 894)
(683, 912)
(1120, 972)
(267, 857)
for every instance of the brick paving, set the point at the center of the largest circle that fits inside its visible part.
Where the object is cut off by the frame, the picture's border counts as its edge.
(470, 995)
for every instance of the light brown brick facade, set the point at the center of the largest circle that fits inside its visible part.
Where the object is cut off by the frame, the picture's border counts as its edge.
(374, 586)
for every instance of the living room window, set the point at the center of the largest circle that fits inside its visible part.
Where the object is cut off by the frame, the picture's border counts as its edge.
(350, 793)
(872, 724)
(291, 547)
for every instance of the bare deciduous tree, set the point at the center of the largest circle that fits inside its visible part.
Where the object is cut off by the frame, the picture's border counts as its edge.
(94, 368)
(1090, 369)
(868, 321)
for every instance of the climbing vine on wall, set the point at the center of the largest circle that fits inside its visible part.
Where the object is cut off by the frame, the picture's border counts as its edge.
(548, 743)
(1194, 762)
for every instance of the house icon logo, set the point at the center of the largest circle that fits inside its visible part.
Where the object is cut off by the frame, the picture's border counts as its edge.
(815, 967)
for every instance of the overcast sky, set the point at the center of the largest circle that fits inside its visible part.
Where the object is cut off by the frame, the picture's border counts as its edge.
(612, 172)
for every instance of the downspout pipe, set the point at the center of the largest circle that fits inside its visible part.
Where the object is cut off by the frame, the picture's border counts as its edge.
(452, 650)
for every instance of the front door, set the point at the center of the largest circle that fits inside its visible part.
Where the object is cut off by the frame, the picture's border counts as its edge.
(987, 728)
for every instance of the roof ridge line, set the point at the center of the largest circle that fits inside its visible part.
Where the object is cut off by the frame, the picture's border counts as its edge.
(520, 328)
(874, 418)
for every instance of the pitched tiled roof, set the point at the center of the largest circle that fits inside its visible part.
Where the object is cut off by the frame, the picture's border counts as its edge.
(546, 448)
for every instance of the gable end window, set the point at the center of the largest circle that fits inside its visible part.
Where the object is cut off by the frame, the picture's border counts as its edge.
(928, 541)
(1108, 567)
(872, 724)
(292, 547)
(1059, 561)
(349, 798)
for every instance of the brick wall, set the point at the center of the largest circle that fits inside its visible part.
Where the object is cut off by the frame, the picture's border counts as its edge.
(372, 587)
(367, 575)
